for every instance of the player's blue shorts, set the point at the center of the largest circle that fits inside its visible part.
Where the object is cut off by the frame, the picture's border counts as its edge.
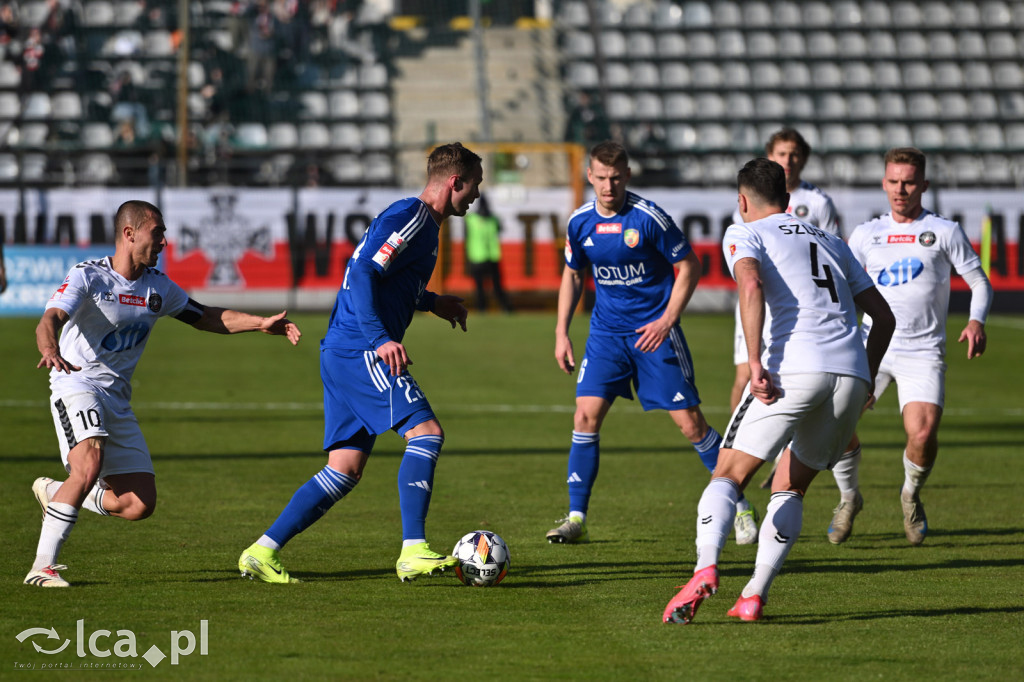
(362, 400)
(663, 378)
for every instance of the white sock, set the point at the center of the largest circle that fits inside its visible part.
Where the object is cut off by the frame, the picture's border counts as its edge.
(582, 515)
(845, 472)
(94, 500)
(781, 527)
(742, 505)
(915, 476)
(410, 543)
(57, 524)
(715, 513)
(268, 542)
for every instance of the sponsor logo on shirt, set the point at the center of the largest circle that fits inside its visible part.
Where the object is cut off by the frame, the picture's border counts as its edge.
(388, 250)
(609, 228)
(631, 237)
(589, 242)
(60, 290)
(129, 299)
(127, 338)
(901, 272)
(901, 239)
(927, 238)
(620, 275)
(155, 303)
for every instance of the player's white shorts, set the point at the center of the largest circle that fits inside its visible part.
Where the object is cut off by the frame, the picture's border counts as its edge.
(818, 412)
(79, 416)
(918, 380)
(739, 342)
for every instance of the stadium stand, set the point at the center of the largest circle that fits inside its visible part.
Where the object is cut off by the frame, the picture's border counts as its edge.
(91, 85)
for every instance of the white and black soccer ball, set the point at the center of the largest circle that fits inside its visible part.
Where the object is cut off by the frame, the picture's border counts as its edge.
(483, 558)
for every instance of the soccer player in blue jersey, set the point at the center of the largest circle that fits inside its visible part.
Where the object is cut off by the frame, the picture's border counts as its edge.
(632, 247)
(364, 366)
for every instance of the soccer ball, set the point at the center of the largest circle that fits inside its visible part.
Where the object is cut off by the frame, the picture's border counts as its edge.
(483, 558)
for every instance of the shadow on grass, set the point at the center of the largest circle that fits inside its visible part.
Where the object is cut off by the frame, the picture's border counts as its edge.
(817, 619)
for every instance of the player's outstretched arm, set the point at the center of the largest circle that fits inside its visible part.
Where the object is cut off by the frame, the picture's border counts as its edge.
(568, 296)
(227, 321)
(450, 308)
(47, 333)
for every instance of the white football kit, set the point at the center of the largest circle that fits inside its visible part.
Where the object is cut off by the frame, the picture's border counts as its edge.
(911, 264)
(811, 205)
(813, 349)
(110, 321)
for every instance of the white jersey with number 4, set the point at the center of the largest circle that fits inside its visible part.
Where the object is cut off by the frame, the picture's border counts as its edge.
(110, 321)
(911, 263)
(809, 280)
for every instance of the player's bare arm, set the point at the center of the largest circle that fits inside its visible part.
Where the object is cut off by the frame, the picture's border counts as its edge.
(654, 333)
(451, 308)
(751, 299)
(874, 304)
(568, 296)
(226, 321)
(47, 334)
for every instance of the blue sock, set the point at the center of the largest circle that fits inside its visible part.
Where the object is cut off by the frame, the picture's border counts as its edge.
(415, 482)
(707, 449)
(309, 503)
(584, 459)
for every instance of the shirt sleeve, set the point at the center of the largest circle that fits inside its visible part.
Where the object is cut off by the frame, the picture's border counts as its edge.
(740, 242)
(574, 256)
(72, 292)
(176, 297)
(829, 220)
(962, 256)
(671, 241)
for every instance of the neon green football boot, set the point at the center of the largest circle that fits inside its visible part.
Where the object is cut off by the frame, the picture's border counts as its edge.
(417, 560)
(263, 563)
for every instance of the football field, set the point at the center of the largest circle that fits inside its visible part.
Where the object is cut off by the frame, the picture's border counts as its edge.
(235, 426)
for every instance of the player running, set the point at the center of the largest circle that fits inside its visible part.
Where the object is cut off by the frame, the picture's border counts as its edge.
(103, 313)
(364, 366)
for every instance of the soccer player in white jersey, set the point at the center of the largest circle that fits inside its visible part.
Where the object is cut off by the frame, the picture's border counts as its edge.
(103, 314)
(909, 253)
(635, 341)
(807, 388)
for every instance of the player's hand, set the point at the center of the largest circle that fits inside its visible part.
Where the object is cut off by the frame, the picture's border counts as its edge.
(869, 404)
(563, 354)
(54, 360)
(394, 356)
(761, 385)
(974, 335)
(450, 308)
(652, 334)
(279, 325)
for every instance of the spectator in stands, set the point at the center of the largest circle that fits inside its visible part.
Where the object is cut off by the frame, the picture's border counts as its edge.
(262, 59)
(587, 124)
(9, 27)
(33, 54)
(483, 253)
(127, 105)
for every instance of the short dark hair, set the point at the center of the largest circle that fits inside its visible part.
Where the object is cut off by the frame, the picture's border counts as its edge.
(788, 135)
(765, 180)
(909, 155)
(452, 159)
(133, 212)
(609, 153)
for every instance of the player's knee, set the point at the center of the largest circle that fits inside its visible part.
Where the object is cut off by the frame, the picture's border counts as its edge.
(427, 428)
(586, 422)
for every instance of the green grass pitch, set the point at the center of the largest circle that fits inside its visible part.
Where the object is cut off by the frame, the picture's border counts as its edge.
(235, 426)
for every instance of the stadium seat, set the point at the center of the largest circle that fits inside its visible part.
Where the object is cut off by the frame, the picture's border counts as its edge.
(1008, 75)
(679, 105)
(66, 105)
(608, 14)
(312, 105)
(983, 105)
(989, 136)
(344, 104)
(641, 45)
(10, 75)
(947, 75)
(731, 44)
(671, 44)
(196, 75)
(912, 45)
(1014, 134)
(346, 136)
(857, 74)
(928, 136)
(887, 75)
(996, 13)
(377, 168)
(36, 106)
(681, 136)
(638, 15)
(936, 15)
(847, 14)
(840, 168)
(831, 105)
(613, 44)
(958, 136)
(376, 136)
(761, 44)
(826, 75)
(32, 14)
(644, 75)
(10, 107)
(282, 136)
(619, 105)
(966, 169)
(697, 14)
(373, 75)
(674, 75)
(922, 105)
(881, 44)
(96, 169)
(970, 44)
(892, 105)
(739, 105)
(907, 14)
(710, 105)
(668, 15)
(862, 105)
(34, 135)
(97, 13)
(1011, 105)
(867, 136)
(817, 14)
(197, 107)
(998, 169)
(582, 75)
(689, 170)
(127, 12)
(714, 136)
(158, 44)
(573, 13)
(822, 44)
(736, 75)
(917, 75)
(314, 135)
(251, 135)
(801, 106)
(835, 137)
(977, 75)
(719, 169)
(796, 74)
(876, 13)
(966, 14)
(1001, 44)
(702, 44)
(766, 74)
(953, 105)
(706, 75)
(97, 135)
(124, 43)
(727, 13)
(374, 105)
(787, 13)
(616, 75)
(897, 135)
(8, 168)
(33, 167)
(870, 169)
(770, 105)
(647, 106)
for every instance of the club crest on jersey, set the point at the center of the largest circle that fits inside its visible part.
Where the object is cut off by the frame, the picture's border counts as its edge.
(631, 237)
(388, 250)
(732, 249)
(609, 228)
(801, 212)
(130, 299)
(926, 238)
(155, 303)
